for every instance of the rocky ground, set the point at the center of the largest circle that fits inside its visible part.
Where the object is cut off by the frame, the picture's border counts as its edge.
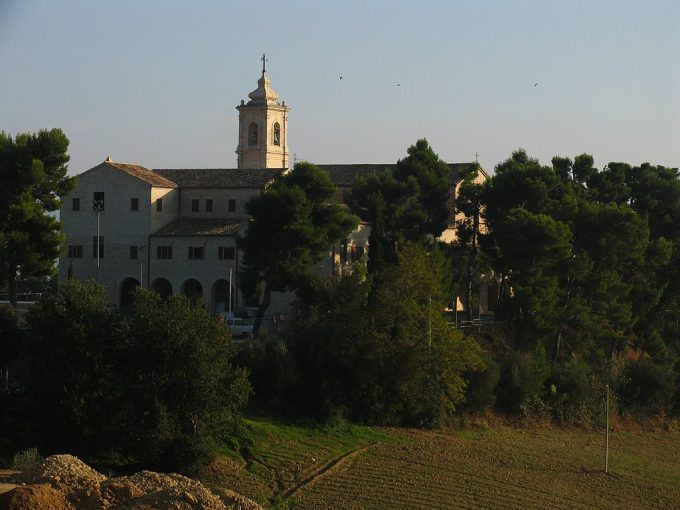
(63, 482)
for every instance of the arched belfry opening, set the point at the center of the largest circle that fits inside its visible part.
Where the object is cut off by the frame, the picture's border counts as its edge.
(263, 125)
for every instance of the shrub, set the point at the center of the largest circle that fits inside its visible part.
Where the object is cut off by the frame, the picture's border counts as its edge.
(480, 394)
(648, 387)
(521, 379)
(571, 392)
(25, 459)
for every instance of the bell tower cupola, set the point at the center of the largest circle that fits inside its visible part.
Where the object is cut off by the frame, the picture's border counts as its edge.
(263, 127)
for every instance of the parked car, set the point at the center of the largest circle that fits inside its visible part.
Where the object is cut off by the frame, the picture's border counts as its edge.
(240, 327)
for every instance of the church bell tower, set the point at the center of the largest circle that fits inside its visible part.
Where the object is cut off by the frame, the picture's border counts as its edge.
(262, 127)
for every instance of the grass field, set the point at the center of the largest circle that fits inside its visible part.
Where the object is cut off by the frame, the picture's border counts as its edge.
(500, 467)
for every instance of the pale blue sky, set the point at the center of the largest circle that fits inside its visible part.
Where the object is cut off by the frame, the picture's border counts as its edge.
(157, 82)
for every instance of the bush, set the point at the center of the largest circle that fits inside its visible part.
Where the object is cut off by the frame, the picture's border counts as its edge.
(648, 387)
(156, 386)
(273, 373)
(25, 459)
(522, 380)
(571, 392)
(480, 394)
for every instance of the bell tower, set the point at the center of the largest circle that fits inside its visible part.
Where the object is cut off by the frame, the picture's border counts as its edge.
(263, 127)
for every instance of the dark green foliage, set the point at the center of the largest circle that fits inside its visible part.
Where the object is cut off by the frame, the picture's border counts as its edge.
(32, 180)
(382, 352)
(571, 391)
(648, 387)
(175, 363)
(480, 393)
(273, 373)
(70, 361)
(293, 226)
(156, 386)
(522, 379)
(407, 204)
(9, 337)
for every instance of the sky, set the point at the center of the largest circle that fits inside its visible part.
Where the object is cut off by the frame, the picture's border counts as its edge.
(157, 82)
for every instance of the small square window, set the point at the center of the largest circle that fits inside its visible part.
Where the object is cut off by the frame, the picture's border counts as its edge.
(75, 204)
(133, 252)
(226, 253)
(195, 252)
(208, 204)
(75, 252)
(134, 204)
(232, 205)
(159, 204)
(98, 201)
(164, 252)
(194, 205)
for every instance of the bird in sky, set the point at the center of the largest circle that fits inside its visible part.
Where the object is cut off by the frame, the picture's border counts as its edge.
(398, 84)
(341, 77)
(535, 84)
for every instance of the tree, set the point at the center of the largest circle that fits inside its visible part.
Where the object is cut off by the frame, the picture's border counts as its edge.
(382, 351)
(467, 257)
(293, 226)
(32, 180)
(155, 387)
(406, 204)
(70, 357)
(178, 392)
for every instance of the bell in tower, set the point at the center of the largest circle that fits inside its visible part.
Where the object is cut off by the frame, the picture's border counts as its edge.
(263, 127)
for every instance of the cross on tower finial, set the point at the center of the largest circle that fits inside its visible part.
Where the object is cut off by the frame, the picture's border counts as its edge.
(477, 157)
(264, 60)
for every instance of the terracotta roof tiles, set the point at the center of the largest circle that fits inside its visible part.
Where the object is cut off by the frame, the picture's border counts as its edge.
(200, 227)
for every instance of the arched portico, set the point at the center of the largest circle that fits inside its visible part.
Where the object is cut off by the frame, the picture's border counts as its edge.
(192, 289)
(162, 287)
(125, 295)
(219, 297)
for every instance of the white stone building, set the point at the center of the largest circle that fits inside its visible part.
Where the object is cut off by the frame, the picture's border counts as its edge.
(175, 230)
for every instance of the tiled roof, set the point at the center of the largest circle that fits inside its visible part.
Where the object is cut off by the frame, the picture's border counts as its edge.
(344, 175)
(143, 174)
(219, 177)
(200, 227)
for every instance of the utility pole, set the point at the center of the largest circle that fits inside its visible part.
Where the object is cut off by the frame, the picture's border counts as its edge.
(606, 447)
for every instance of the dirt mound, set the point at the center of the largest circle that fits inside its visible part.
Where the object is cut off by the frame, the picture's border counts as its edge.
(147, 489)
(34, 497)
(63, 472)
(63, 482)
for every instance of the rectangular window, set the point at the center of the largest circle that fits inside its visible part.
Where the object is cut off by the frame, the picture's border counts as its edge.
(75, 252)
(232, 205)
(134, 204)
(226, 253)
(98, 201)
(159, 204)
(76, 204)
(195, 252)
(164, 252)
(208, 204)
(194, 205)
(133, 252)
(94, 247)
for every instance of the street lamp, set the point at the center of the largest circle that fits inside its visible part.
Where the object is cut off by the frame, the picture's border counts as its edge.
(98, 207)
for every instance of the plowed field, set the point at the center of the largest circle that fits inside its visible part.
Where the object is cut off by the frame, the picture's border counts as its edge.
(505, 468)
(494, 468)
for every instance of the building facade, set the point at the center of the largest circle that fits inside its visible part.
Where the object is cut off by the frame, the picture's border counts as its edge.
(175, 230)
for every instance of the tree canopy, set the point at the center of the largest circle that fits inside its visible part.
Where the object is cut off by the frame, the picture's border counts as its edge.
(293, 226)
(408, 203)
(32, 180)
